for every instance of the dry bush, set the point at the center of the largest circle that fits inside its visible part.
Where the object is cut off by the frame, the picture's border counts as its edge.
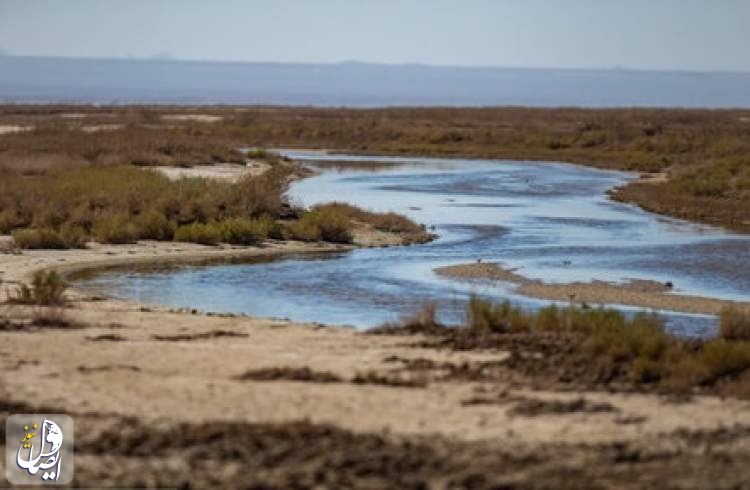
(204, 234)
(734, 324)
(322, 223)
(115, 228)
(47, 289)
(122, 204)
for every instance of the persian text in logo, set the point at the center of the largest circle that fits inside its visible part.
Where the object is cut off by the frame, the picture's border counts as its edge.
(39, 449)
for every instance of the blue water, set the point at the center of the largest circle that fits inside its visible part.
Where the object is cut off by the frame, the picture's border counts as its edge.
(551, 221)
(121, 81)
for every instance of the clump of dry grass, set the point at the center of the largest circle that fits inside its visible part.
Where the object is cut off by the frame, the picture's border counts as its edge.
(335, 221)
(327, 223)
(204, 234)
(390, 222)
(47, 239)
(47, 289)
(734, 325)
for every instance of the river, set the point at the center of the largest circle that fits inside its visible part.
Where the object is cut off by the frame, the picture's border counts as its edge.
(552, 221)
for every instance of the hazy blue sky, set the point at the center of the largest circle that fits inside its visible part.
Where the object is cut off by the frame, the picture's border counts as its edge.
(652, 34)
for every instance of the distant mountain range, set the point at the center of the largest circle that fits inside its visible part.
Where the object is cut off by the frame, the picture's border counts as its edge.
(120, 81)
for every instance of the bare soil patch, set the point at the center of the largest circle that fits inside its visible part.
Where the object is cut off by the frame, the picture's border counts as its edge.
(637, 292)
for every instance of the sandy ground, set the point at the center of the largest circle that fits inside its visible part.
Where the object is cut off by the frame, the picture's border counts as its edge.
(94, 128)
(653, 177)
(230, 172)
(207, 118)
(8, 129)
(643, 293)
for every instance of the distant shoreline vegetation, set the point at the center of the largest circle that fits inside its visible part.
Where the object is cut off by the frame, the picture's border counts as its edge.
(66, 207)
(700, 158)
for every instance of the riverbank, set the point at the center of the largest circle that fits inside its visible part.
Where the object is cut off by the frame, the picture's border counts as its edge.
(640, 293)
(401, 410)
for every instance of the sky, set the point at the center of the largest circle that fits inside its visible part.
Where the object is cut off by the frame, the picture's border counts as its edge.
(692, 35)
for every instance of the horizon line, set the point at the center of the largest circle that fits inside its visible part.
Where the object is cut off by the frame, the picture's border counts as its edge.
(168, 59)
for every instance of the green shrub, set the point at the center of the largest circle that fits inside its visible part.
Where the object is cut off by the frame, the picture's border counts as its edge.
(269, 227)
(47, 289)
(115, 229)
(241, 231)
(550, 318)
(391, 222)
(334, 226)
(721, 358)
(8, 221)
(69, 236)
(330, 223)
(305, 230)
(734, 325)
(204, 234)
(622, 340)
(39, 239)
(487, 316)
(153, 225)
(73, 236)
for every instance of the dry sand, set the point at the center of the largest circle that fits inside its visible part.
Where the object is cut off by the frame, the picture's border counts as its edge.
(206, 118)
(8, 129)
(229, 172)
(95, 128)
(637, 292)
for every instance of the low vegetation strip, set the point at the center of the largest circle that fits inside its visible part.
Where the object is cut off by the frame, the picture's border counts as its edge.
(600, 347)
(119, 204)
(702, 153)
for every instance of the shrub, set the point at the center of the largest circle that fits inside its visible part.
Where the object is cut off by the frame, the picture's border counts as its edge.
(721, 358)
(486, 316)
(73, 236)
(47, 289)
(305, 230)
(8, 221)
(115, 229)
(153, 225)
(391, 222)
(39, 239)
(259, 195)
(734, 325)
(642, 337)
(334, 226)
(550, 318)
(241, 231)
(269, 227)
(205, 234)
(327, 223)
(107, 197)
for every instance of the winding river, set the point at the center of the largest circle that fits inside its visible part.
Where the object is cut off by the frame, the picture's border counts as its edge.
(551, 221)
